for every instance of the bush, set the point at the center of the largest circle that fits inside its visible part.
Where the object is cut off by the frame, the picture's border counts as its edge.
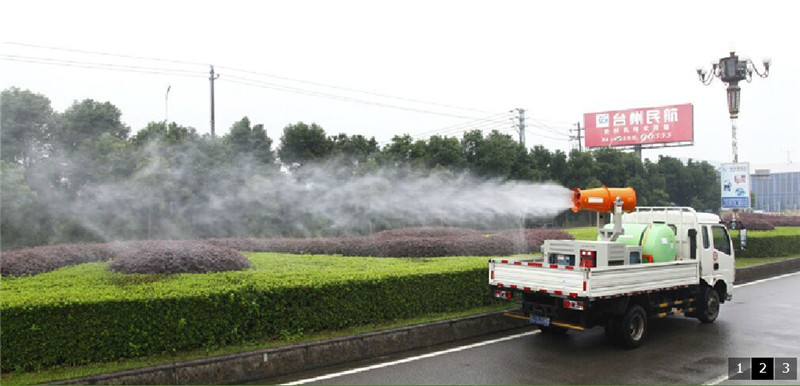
(31, 261)
(400, 244)
(762, 221)
(774, 246)
(169, 257)
(426, 232)
(88, 314)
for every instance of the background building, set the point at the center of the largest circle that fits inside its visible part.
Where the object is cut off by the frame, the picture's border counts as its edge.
(776, 188)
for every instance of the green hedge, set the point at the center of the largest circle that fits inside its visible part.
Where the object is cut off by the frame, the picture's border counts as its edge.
(772, 246)
(86, 313)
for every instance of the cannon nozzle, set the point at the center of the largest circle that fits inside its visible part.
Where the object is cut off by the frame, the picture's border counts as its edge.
(602, 199)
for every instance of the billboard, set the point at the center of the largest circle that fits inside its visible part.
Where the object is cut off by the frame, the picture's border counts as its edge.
(735, 183)
(651, 126)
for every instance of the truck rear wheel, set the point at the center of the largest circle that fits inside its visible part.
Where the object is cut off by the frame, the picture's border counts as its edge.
(633, 327)
(709, 309)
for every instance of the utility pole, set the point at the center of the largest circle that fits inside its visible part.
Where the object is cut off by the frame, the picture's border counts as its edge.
(580, 140)
(166, 105)
(212, 78)
(521, 126)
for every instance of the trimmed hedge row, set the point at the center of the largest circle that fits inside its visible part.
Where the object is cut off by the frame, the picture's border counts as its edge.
(773, 246)
(171, 257)
(400, 245)
(138, 315)
(30, 261)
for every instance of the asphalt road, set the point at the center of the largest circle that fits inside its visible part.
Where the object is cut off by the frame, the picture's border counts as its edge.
(762, 320)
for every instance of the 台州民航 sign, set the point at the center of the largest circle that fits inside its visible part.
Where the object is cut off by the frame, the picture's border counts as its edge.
(640, 126)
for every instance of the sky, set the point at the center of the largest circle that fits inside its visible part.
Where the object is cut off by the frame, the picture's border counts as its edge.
(386, 68)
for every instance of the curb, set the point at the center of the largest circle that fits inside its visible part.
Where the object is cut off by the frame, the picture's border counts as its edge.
(271, 363)
(763, 271)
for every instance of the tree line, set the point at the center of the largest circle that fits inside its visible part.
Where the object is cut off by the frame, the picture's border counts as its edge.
(81, 175)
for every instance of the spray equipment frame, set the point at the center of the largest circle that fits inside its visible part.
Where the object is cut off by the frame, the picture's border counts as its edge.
(605, 200)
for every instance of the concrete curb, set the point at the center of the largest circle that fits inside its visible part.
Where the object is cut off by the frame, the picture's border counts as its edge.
(270, 363)
(763, 271)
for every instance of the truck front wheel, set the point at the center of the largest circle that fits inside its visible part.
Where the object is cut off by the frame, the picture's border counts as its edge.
(709, 309)
(633, 328)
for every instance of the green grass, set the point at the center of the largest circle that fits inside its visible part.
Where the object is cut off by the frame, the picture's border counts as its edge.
(59, 373)
(778, 231)
(585, 233)
(93, 282)
(742, 262)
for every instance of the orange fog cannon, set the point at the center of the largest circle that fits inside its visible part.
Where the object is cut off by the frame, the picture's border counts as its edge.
(602, 199)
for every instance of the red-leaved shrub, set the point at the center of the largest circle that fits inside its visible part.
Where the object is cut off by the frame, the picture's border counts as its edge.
(190, 256)
(426, 232)
(401, 244)
(30, 261)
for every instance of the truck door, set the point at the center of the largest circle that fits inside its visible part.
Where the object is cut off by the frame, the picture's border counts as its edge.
(722, 255)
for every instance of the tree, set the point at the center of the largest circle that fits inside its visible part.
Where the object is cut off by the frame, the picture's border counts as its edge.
(355, 148)
(493, 156)
(24, 121)
(302, 144)
(581, 171)
(171, 134)
(403, 150)
(247, 140)
(18, 224)
(444, 152)
(89, 119)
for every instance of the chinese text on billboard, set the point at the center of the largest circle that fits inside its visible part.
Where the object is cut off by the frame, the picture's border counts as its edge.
(641, 126)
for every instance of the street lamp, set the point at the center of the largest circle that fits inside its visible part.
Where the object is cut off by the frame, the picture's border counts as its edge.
(732, 70)
(166, 105)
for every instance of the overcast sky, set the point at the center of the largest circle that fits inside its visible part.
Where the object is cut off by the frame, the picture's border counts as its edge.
(466, 60)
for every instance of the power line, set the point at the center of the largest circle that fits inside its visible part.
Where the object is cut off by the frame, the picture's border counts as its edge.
(354, 90)
(104, 53)
(273, 86)
(102, 66)
(247, 72)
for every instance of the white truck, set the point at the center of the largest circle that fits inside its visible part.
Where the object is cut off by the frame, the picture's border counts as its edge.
(651, 262)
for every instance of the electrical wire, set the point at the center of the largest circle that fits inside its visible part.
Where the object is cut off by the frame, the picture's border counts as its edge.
(104, 53)
(101, 66)
(273, 86)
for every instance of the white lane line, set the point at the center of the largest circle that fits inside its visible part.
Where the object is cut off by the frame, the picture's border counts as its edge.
(724, 378)
(717, 381)
(767, 279)
(411, 359)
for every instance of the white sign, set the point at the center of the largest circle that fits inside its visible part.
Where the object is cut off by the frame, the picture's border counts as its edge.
(735, 183)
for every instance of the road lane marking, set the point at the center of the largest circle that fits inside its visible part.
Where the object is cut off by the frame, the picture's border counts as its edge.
(717, 381)
(479, 344)
(411, 359)
(724, 378)
(767, 279)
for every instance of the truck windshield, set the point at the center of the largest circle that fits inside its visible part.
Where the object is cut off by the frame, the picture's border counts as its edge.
(722, 242)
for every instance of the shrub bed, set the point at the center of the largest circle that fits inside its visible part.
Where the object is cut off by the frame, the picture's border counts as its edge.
(426, 232)
(87, 313)
(402, 244)
(169, 257)
(30, 261)
(762, 221)
(778, 246)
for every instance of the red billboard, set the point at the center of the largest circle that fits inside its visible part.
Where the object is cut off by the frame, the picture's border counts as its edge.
(641, 126)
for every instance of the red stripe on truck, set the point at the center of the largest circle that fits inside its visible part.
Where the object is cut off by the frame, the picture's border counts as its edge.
(573, 294)
(517, 263)
(558, 292)
(504, 261)
(513, 286)
(553, 265)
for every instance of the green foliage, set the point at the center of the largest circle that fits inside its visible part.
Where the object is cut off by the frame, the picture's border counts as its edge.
(86, 120)
(301, 144)
(246, 140)
(86, 313)
(780, 242)
(18, 225)
(24, 118)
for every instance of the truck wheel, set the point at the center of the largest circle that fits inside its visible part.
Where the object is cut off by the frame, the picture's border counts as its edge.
(633, 328)
(553, 330)
(709, 309)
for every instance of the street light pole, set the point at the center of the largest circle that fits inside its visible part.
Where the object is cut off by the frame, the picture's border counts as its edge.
(731, 70)
(166, 105)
